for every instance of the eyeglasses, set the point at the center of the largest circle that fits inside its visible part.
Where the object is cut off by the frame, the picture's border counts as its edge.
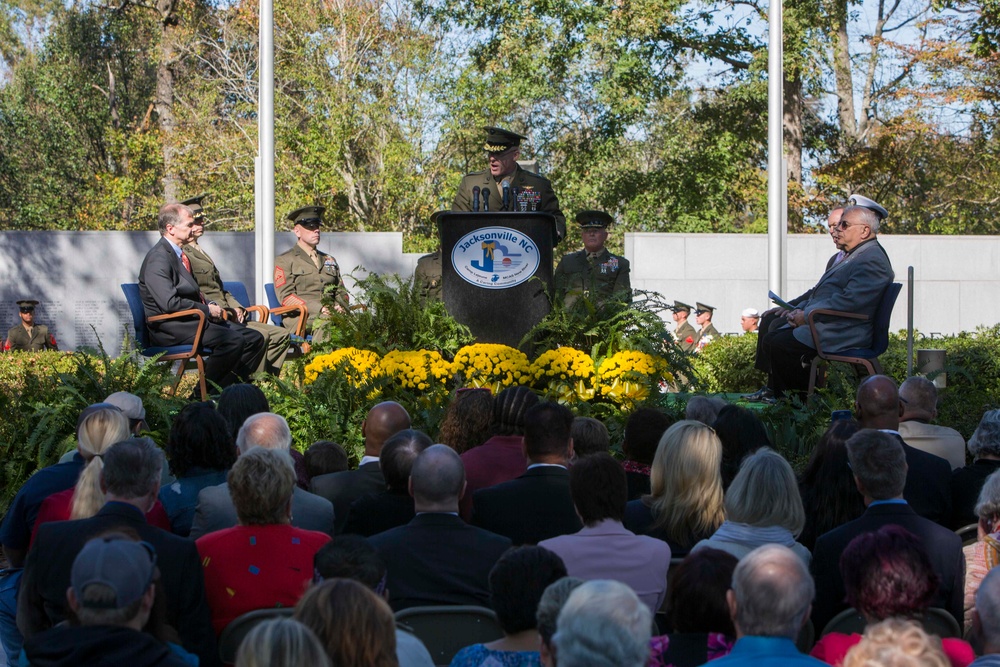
(844, 225)
(27, 309)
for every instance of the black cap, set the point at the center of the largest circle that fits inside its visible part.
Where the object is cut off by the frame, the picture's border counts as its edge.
(499, 139)
(702, 308)
(307, 216)
(25, 303)
(194, 203)
(680, 306)
(594, 220)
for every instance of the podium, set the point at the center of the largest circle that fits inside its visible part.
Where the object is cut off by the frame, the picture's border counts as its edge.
(495, 270)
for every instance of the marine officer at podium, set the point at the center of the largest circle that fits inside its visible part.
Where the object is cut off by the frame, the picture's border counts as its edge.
(592, 272)
(524, 191)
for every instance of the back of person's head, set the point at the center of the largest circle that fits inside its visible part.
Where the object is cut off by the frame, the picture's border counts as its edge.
(888, 573)
(988, 504)
(878, 462)
(468, 421)
(741, 432)
(281, 642)
(509, 409)
(111, 581)
(643, 431)
(350, 557)
(549, 606)
(324, 457)
(877, 402)
(132, 468)
(264, 429)
(985, 440)
(703, 409)
(99, 429)
(397, 457)
(261, 483)
(919, 395)
(986, 617)
(772, 592)
(599, 488)
(765, 493)
(696, 598)
(383, 421)
(437, 477)
(355, 626)
(199, 438)
(590, 436)
(239, 401)
(547, 431)
(603, 623)
(131, 406)
(828, 491)
(517, 583)
(896, 643)
(685, 483)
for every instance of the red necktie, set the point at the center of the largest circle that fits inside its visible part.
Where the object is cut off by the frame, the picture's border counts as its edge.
(186, 262)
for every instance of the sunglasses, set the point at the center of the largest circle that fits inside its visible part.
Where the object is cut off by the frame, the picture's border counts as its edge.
(27, 309)
(844, 225)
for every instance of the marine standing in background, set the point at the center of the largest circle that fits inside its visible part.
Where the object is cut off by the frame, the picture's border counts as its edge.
(593, 272)
(684, 335)
(205, 271)
(703, 316)
(526, 191)
(304, 275)
(28, 336)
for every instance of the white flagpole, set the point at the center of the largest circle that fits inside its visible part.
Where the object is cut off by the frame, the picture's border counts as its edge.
(776, 179)
(264, 181)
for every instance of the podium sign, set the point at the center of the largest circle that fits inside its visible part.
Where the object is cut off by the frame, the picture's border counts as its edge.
(495, 270)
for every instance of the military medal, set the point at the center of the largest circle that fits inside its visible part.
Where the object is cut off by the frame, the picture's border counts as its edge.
(528, 199)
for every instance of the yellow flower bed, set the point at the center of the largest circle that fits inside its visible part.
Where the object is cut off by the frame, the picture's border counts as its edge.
(420, 369)
(491, 365)
(362, 365)
(565, 372)
(627, 376)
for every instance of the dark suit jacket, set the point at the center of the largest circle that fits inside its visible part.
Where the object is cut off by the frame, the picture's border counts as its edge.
(42, 597)
(167, 287)
(374, 513)
(438, 559)
(534, 507)
(943, 547)
(928, 484)
(343, 488)
(215, 511)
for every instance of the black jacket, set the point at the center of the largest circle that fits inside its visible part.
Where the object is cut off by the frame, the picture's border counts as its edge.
(98, 646)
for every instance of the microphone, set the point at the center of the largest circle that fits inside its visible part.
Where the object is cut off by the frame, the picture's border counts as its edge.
(506, 195)
(486, 199)
(475, 198)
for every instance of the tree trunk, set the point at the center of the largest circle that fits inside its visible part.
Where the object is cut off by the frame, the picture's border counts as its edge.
(169, 50)
(792, 121)
(842, 75)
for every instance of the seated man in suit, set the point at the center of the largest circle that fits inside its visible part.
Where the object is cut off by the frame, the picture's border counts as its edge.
(919, 397)
(215, 510)
(879, 466)
(343, 488)
(604, 549)
(437, 558)
(928, 479)
(853, 284)
(167, 285)
(537, 505)
(131, 475)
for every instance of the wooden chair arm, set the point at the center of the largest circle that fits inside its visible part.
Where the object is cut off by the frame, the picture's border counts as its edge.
(303, 311)
(829, 313)
(184, 313)
(263, 312)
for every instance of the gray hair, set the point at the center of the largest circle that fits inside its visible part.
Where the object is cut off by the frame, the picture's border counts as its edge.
(264, 429)
(986, 438)
(170, 214)
(919, 393)
(766, 493)
(704, 409)
(879, 463)
(551, 604)
(132, 468)
(988, 608)
(773, 591)
(868, 217)
(603, 623)
(988, 505)
(281, 642)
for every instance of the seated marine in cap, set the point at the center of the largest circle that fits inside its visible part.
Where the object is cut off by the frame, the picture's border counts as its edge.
(703, 316)
(592, 272)
(527, 191)
(28, 336)
(304, 274)
(684, 335)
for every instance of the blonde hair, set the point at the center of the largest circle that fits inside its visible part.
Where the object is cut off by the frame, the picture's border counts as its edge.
(686, 482)
(281, 642)
(896, 643)
(765, 493)
(97, 432)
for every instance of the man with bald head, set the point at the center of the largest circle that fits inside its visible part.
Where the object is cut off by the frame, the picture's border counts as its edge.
(769, 603)
(437, 558)
(342, 488)
(919, 398)
(928, 482)
(215, 510)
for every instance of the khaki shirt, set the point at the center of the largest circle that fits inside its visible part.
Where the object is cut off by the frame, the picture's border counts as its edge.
(298, 281)
(597, 278)
(18, 338)
(686, 337)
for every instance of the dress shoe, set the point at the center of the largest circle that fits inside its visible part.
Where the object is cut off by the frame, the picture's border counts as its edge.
(763, 395)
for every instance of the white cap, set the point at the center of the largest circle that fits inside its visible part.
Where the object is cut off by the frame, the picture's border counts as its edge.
(750, 312)
(128, 403)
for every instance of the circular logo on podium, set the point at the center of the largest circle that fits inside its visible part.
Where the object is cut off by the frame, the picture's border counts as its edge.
(495, 257)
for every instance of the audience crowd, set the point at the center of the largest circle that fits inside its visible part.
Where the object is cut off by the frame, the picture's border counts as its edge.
(699, 544)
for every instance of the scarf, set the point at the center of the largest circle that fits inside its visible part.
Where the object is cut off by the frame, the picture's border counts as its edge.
(753, 536)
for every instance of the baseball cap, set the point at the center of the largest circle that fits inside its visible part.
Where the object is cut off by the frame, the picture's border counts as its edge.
(128, 403)
(124, 566)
